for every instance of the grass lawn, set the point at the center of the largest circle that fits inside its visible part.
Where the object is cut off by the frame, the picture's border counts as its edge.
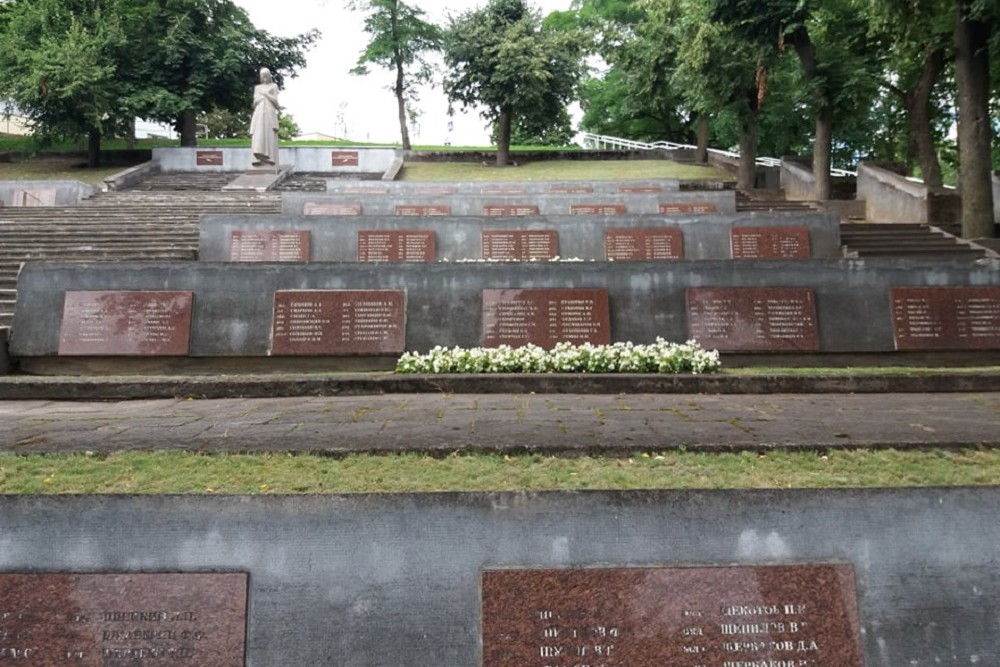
(561, 170)
(188, 473)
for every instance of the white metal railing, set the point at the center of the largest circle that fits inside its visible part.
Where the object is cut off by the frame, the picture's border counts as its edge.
(592, 141)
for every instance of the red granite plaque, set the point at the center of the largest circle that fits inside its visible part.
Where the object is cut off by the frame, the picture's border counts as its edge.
(571, 189)
(423, 209)
(209, 158)
(365, 190)
(107, 620)
(500, 210)
(126, 324)
(946, 318)
(344, 158)
(314, 208)
(739, 616)
(636, 245)
(545, 317)
(502, 190)
(520, 245)
(396, 246)
(770, 243)
(34, 198)
(640, 189)
(686, 208)
(338, 322)
(773, 319)
(597, 209)
(270, 246)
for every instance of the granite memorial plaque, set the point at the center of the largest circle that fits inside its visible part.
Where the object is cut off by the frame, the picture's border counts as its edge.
(147, 323)
(520, 245)
(737, 616)
(364, 190)
(640, 189)
(946, 318)
(338, 322)
(501, 210)
(344, 158)
(502, 190)
(286, 245)
(545, 317)
(209, 158)
(770, 242)
(773, 319)
(315, 208)
(597, 209)
(106, 620)
(571, 189)
(34, 198)
(631, 245)
(423, 209)
(396, 246)
(686, 208)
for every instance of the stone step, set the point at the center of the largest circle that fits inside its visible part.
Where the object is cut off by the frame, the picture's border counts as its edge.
(955, 252)
(101, 254)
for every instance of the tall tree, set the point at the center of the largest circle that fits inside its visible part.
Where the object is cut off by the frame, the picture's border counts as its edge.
(400, 39)
(502, 58)
(974, 23)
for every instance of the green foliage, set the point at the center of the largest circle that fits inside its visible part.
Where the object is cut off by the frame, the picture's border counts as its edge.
(288, 129)
(502, 58)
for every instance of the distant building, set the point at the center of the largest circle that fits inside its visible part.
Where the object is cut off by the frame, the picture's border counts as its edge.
(11, 120)
(316, 136)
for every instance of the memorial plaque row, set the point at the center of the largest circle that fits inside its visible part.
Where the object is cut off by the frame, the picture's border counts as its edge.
(642, 244)
(334, 322)
(776, 615)
(563, 189)
(497, 209)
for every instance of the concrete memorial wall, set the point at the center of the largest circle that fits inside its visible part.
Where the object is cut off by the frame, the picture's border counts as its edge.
(509, 201)
(801, 578)
(19, 194)
(505, 188)
(65, 311)
(437, 238)
(312, 159)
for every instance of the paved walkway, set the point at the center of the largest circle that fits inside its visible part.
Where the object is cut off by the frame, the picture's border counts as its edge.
(553, 423)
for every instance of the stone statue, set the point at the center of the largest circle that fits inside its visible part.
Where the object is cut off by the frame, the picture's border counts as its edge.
(264, 122)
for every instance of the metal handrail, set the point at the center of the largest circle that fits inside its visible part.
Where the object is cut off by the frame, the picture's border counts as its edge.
(592, 141)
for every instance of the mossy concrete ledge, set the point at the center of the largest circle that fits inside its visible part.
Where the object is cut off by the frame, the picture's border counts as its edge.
(369, 384)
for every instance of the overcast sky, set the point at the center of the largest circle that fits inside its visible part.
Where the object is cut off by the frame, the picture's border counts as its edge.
(326, 98)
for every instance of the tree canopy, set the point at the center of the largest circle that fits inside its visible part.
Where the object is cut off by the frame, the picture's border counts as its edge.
(517, 70)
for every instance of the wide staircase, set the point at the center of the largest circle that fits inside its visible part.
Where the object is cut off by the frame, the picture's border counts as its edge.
(157, 221)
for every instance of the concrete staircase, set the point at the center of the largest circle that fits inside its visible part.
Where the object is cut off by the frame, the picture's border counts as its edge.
(914, 241)
(156, 221)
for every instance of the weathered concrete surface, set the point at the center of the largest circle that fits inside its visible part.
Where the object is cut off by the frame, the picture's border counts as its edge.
(557, 424)
(366, 580)
(61, 193)
(313, 159)
(890, 197)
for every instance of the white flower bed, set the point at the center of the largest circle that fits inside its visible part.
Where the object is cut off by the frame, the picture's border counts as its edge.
(660, 357)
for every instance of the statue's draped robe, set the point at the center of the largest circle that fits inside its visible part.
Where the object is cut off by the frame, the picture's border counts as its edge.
(264, 123)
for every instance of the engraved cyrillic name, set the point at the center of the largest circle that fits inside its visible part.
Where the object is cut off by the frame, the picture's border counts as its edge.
(597, 209)
(396, 246)
(735, 318)
(509, 210)
(943, 318)
(326, 208)
(786, 616)
(632, 245)
(520, 245)
(153, 323)
(272, 246)
(770, 243)
(338, 322)
(686, 208)
(545, 317)
(422, 209)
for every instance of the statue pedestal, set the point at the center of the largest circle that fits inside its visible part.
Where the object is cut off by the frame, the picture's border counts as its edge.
(260, 179)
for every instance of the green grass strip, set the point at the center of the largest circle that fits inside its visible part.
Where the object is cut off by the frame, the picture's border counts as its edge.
(191, 473)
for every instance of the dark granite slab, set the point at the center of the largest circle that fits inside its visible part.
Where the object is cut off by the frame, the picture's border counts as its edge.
(545, 317)
(686, 208)
(508, 210)
(344, 158)
(422, 209)
(209, 158)
(126, 323)
(643, 244)
(396, 246)
(771, 242)
(281, 245)
(522, 245)
(326, 208)
(338, 322)
(946, 318)
(597, 209)
(774, 319)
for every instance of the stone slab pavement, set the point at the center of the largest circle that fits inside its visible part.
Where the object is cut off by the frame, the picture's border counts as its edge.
(563, 424)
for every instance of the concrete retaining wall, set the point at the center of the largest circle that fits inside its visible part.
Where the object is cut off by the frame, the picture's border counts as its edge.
(530, 188)
(43, 193)
(891, 197)
(313, 159)
(996, 196)
(131, 176)
(4, 354)
(361, 580)
(335, 239)
(797, 181)
(294, 203)
(233, 303)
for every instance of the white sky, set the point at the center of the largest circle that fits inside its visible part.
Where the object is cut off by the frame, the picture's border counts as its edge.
(325, 98)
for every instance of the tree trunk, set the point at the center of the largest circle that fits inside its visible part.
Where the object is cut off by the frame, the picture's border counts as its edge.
(701, 152)
(130, 139)
(400, 88)
(747, 178)
(972, 73)
(94, 148)
(503, 139)
(822, 154)
(189, 129)
(918, 110)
